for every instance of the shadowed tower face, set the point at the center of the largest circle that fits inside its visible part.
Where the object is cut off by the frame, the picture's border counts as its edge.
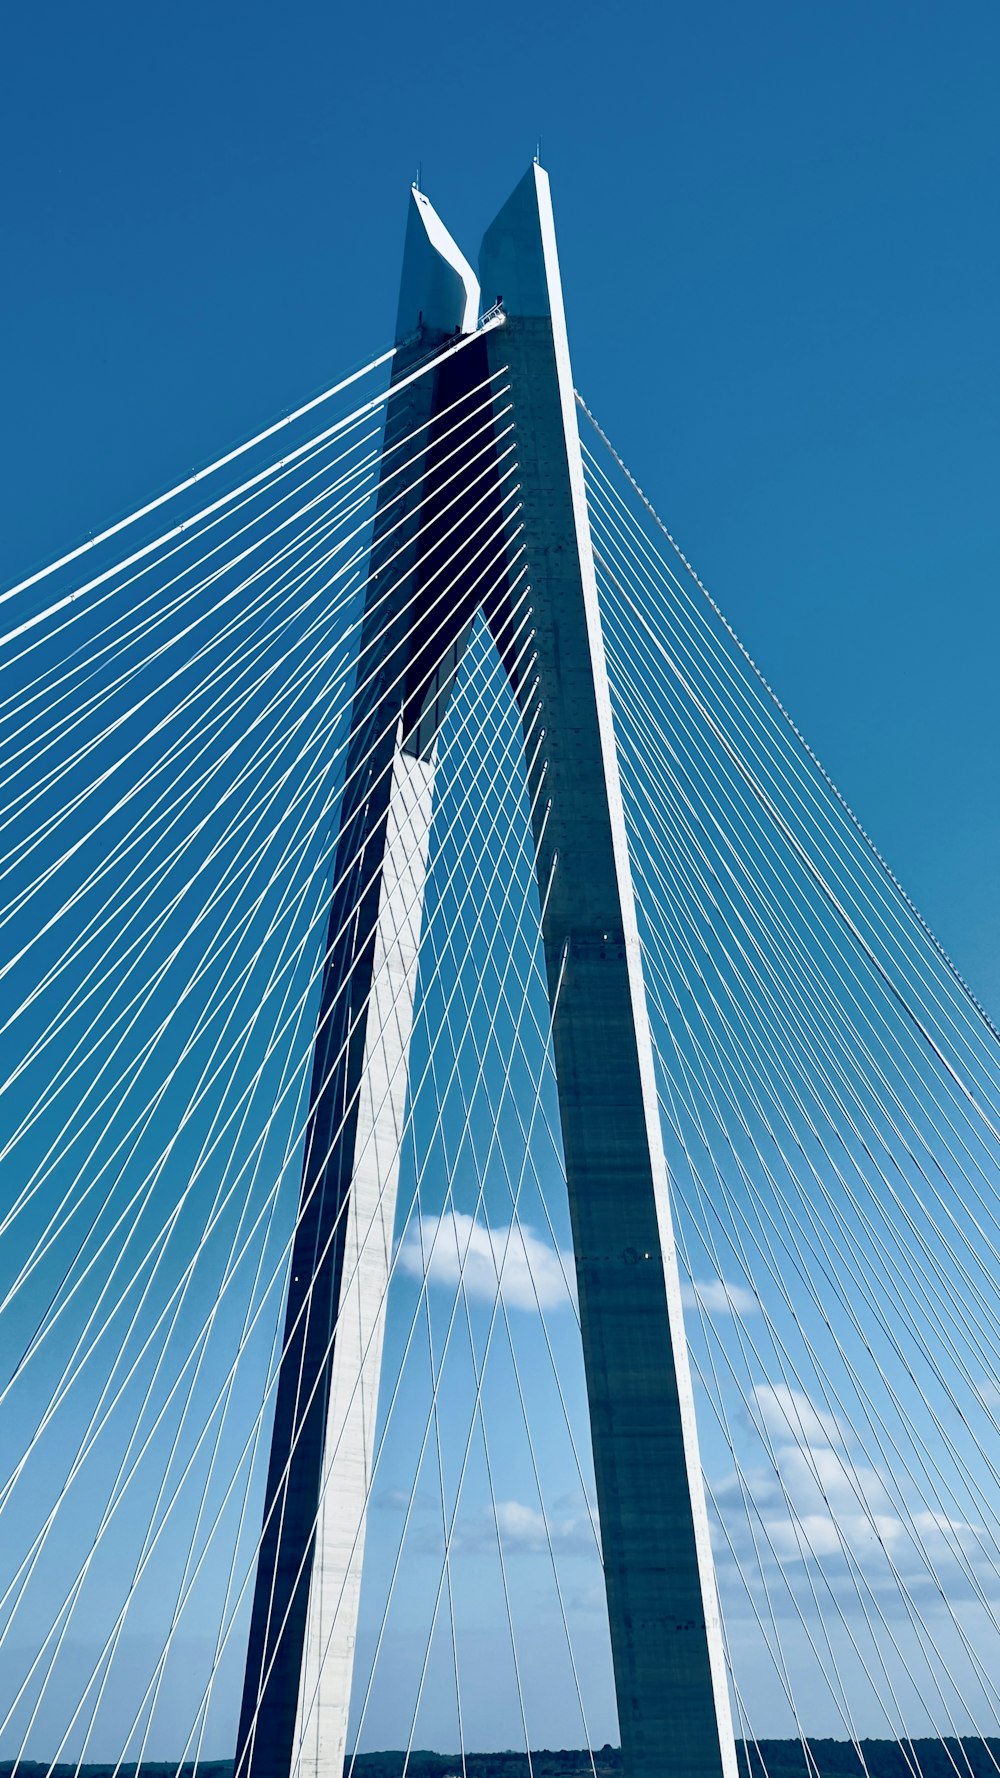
(666, 1640)
(304, 1617)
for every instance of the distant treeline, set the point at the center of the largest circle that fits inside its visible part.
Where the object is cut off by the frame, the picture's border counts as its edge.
(948, 1758)
(757, 1759)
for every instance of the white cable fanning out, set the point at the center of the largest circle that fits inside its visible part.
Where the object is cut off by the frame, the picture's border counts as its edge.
(271, 611)
(257, 1428)
(818, 1031)
(185, 668)
(479, 1371)
(201, 474)
(157, 828)
(291, 1065)
(350, 487)
(194, 1179)
(353, 592)
(281, 471)
(67, 810)
(867, 1058)
(761, 1535)
(794, 1238)
(104, 866)
(224, 500)
(58, 1142)
(535, 970)
(153, 1331)
(813, 870)
(866, 1054)
(415, 1090)
(837, 1692)
(771, 1641)
(545, 1069)
(748, 1131)
(127, 628)
(764, 1079)
(801, 1531)
(858, 1574)
(772, 695)
(165, 1652)
(791, 1236)
(252, 618)
(238, 620)
(442, 1496)
(935, 1160)
(942, 1008)
(618, 532)
(415, 1094)
(414, 1321)
(241, 819)
(809, 1024)
(441, 1100)
(899, 1464)
(722, 832)
(542, 1037)
(201, 1346)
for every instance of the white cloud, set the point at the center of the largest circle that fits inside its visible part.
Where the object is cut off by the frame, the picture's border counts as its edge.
(534, 1274)
(571, 1523)
(932, 1526)
(817, 1500)
(523, 1528)
(987, 1392)
(803, 1534)
(788, 1414)
(391, 1500)
(717, 1297)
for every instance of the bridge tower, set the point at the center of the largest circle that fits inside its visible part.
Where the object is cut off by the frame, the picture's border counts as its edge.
(670, 1678)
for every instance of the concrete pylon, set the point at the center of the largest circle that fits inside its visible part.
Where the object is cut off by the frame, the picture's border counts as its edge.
(672, 1692)
(300, 1657)
(670, 1679)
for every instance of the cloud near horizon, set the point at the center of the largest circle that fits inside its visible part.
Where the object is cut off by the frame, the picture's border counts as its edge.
(455, 1247)
(717, 1297)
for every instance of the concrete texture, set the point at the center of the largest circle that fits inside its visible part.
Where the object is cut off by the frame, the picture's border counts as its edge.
(328, 1651)
(669, 1671)
(304, 1617)
(671, 1685)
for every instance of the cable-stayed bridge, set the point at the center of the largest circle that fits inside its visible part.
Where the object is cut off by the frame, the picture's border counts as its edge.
(499, 1212)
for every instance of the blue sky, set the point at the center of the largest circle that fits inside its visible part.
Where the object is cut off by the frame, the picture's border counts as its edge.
(780, 258)
(776, 226)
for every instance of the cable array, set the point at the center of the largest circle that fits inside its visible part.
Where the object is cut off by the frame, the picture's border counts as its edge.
(200, 709)
(829, 1093)
(177, 743)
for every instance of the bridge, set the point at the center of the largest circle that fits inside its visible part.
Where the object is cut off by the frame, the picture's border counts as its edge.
(499, 1211)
